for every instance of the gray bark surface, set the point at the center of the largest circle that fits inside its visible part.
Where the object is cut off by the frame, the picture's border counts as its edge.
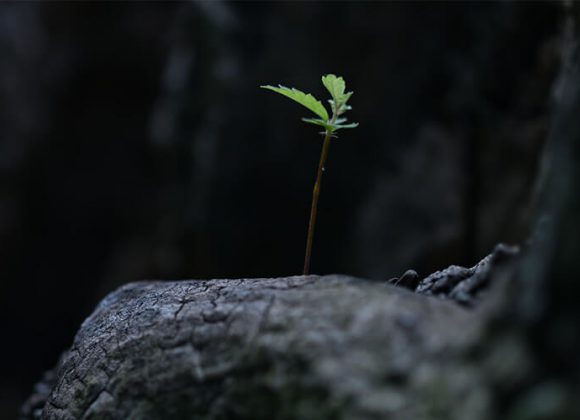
(296, 347)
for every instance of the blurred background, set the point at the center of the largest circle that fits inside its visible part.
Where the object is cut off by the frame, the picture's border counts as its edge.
(135, 144)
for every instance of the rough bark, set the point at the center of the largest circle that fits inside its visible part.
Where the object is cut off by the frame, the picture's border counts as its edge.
(298, 347)
(463, 285)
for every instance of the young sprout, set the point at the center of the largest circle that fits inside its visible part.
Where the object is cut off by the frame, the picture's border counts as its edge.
(331, 124)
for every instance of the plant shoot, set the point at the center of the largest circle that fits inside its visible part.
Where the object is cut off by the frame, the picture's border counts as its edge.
(331, 124)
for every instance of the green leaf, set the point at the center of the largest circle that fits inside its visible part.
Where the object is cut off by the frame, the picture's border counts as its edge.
(335, 85)
(304, 99)
(351, 125)
(346, 97)
(332, 127)
(317, 121)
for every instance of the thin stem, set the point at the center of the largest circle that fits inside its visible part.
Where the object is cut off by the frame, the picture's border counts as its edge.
(315, 195)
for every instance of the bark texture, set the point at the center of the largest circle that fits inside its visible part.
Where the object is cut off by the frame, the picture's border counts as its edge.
(298, 347)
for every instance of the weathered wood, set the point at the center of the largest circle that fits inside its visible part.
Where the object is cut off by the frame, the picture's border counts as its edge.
(463, 285)
(298, 347)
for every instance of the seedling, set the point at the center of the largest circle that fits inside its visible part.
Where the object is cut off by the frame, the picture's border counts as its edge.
(338, 105)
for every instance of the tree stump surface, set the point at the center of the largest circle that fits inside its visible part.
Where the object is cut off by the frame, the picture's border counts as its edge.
(296, 347)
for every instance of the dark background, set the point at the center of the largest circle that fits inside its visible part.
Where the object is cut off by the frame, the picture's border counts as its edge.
(136, 144)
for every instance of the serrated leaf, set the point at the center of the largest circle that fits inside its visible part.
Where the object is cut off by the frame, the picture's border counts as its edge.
(346, 97)
(335, 85)
(304, 99)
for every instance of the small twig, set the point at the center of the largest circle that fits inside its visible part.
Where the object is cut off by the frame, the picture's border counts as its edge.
(315, 195)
